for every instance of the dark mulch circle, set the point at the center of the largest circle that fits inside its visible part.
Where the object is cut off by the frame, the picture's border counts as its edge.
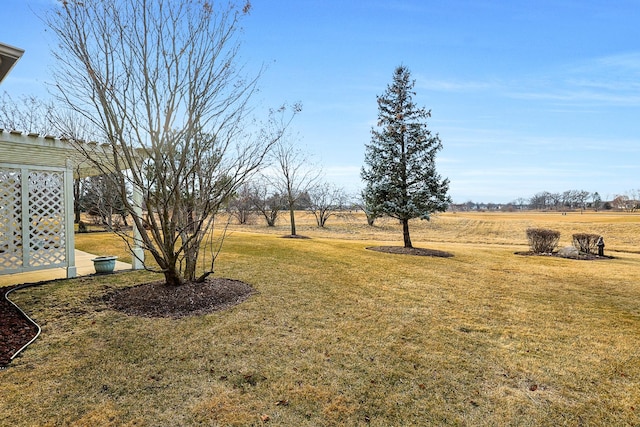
(159, 300)
(148, 300)
(582, 257)
(410, 251)
(295, 236)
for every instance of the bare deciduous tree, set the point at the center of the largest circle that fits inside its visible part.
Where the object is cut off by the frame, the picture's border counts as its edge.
(555, 199)
(241, 205)
(581, 197)
(294, 177)
(27, 113)
(539, 200)
(161, 82)
(268, 203)
(326, 200)
(624, 203)
(102, 199)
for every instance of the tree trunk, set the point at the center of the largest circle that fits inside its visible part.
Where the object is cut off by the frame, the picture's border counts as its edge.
(110, 218)
(76, 200)
(405, 233)
(271, 220)
(190, 264)
(371, 219)
(172, 277)
(293, 221)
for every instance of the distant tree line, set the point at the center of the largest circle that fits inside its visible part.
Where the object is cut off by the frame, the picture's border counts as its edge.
(262, 199)
(567, 200)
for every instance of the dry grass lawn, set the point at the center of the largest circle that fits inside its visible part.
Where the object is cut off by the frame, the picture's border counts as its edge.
(338, 335)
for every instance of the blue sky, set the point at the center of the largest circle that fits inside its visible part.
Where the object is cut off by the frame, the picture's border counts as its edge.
(527, 96)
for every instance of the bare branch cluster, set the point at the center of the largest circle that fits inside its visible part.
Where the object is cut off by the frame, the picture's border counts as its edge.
(586, 242)
(27, 113)
(161, 84)
(326, 200)
(542, 240)
(293, 175)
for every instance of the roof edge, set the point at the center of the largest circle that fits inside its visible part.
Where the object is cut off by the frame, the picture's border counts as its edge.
(9, 55)
(10, 51)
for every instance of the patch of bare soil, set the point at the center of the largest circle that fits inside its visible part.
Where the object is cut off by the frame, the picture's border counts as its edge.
(15, 329)
(159, 300)
(583, 257)
(410, 251)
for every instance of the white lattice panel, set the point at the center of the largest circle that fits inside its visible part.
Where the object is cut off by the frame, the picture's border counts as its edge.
(10, 219)
(46, 219)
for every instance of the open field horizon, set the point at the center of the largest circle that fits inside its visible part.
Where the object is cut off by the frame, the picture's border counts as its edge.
(621, 230)
(338, 335)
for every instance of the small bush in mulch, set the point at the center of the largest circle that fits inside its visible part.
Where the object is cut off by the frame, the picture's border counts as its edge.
(586, 242)
(542, 240)
(410, 251)
(159, 300)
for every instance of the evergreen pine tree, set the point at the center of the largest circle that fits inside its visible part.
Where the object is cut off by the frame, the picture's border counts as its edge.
(400, 172)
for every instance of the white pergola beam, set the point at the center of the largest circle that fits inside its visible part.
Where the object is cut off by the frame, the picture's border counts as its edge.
(70, 244)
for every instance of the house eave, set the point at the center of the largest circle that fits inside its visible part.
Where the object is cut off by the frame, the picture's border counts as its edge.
(9, 55)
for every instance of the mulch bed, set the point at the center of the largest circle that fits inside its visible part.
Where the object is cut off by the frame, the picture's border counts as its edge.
(410, 251)
(582, 256)
(15, 329)
(147, 300)
(191, 299)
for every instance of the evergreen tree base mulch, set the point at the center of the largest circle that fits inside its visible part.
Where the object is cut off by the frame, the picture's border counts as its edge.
(410, 251)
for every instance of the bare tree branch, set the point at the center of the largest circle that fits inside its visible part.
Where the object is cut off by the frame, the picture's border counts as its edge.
(161, 82)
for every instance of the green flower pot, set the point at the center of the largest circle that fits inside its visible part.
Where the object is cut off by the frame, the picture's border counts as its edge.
(104, 264)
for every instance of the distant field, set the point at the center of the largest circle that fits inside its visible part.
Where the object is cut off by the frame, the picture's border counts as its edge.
(341, 336)
(621, 231)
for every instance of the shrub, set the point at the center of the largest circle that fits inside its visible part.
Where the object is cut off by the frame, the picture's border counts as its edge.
(585, 242)
(82, 227)
(542, 240)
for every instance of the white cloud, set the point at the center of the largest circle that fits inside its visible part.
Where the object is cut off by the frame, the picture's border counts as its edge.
(577, 96)
(455, 85)
(628, 61)
(610, 80)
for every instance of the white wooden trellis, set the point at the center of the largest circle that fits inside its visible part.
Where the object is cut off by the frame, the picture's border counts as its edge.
(34, 219)
(36, 203)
